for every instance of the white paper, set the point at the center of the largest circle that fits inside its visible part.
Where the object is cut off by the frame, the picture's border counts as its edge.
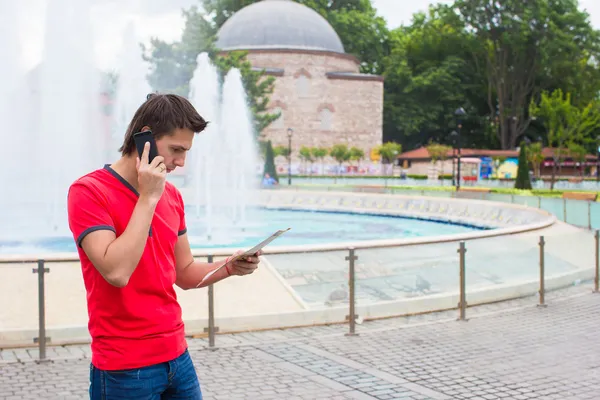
(247, 253)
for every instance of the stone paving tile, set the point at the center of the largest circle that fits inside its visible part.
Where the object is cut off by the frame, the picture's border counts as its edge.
(509, 350)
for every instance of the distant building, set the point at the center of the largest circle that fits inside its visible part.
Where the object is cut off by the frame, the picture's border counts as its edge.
(418, 161)
(319, 90)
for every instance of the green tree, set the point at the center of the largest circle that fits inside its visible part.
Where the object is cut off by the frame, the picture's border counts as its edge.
(283, 151)
(172, 64)
(578, 153)
(341, 154)
(535, 157)
(389, 152)
(319, 153)
(430, 73)
(357, 155)
(306, 156)
(438, 152)
(523, 181)
(565, 123)
(525, 48)
(270, 162)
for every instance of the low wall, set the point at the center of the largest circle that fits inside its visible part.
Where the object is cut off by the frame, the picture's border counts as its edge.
(267, 300)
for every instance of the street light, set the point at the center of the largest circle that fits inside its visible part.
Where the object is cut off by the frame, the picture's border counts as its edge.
(290, 132)
(454, 136)
(597, 159)
(459, 114)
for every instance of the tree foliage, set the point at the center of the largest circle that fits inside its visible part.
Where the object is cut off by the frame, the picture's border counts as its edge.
(491, 58)
(269, 167)
(523, 181)
(566, 124)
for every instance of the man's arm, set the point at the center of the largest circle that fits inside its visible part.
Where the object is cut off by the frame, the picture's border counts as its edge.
(190, 272)
(116, 258)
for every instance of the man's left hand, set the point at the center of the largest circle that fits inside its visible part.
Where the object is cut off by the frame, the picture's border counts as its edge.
(244, 266)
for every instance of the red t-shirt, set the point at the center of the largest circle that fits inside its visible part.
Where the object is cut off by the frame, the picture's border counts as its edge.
(140, 324)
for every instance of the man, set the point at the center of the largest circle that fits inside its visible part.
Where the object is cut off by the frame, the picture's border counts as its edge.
(130, 230)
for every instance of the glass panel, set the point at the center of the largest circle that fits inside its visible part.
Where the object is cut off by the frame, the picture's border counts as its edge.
(530, 201)
(66, 306)
(504, 198)
(319, 279)
(397, 273)
(570, 251)
(500, 260)
(577, 212)
(19, 304)
(554, 206)
(595, 215)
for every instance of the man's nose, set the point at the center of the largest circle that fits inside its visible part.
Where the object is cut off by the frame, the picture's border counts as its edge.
(180, 161)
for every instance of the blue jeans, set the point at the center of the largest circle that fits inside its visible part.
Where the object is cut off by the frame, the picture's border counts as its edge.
(174, 379)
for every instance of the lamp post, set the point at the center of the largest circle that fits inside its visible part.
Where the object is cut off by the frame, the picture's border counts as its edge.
(453, 137)
(597, 160)
(459, 114)
(290, 132)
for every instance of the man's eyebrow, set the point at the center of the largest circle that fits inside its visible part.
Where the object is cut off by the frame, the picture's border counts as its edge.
(179, 147)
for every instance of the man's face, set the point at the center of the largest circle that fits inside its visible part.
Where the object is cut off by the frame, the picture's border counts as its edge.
(173, 148)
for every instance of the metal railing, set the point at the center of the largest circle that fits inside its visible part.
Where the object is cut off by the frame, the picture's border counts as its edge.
(352, 256)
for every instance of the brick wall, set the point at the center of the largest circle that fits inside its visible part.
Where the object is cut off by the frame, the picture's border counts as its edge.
(323, 110)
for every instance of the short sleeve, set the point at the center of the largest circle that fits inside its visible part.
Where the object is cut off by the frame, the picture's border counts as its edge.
(182, 226)
(86, 212)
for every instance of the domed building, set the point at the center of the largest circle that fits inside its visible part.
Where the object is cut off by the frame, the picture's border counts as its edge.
(319, 90)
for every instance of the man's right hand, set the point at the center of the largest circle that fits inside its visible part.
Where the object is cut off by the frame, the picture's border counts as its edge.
(151, 176)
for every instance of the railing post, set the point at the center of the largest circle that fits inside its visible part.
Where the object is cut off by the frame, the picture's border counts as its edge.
(565, 209)
(212, 329)
(542, 244)
(41, 340)
(597, 257)
(462, 304)
(589, 215)
(540, 202)
(351, 258)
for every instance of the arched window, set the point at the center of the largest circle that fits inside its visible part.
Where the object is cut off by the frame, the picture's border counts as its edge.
(326, 119)
(302, 86)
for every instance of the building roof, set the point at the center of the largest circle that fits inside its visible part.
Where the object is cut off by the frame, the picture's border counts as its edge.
(422, 154)
(278, 24)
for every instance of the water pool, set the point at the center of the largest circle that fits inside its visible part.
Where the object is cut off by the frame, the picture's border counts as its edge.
(308, 227)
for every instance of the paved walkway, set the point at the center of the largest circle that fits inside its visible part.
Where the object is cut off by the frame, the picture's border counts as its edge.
(511, 350)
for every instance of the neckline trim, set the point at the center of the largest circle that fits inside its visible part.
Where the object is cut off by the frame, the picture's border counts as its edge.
(120, 179)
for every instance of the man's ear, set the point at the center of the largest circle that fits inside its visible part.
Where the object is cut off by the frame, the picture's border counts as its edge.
(146, 128)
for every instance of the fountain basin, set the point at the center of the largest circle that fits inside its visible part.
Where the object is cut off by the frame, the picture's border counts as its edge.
(292, 286)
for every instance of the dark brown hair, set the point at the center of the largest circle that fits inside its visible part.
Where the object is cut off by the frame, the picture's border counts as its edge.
(162, 113)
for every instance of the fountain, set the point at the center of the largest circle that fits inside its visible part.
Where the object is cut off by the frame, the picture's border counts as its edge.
(10, 73)
(224, 156)
(132, 86)
(57, 126)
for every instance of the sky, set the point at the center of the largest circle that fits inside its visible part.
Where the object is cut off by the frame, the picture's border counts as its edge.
(163, 19)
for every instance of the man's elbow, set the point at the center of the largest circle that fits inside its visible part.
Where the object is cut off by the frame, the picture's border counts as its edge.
(184, 285)
(117, 280)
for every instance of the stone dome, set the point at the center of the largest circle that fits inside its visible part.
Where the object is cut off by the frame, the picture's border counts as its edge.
(278, 24)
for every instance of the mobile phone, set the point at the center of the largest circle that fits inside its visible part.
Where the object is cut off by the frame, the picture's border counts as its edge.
(140, 140)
